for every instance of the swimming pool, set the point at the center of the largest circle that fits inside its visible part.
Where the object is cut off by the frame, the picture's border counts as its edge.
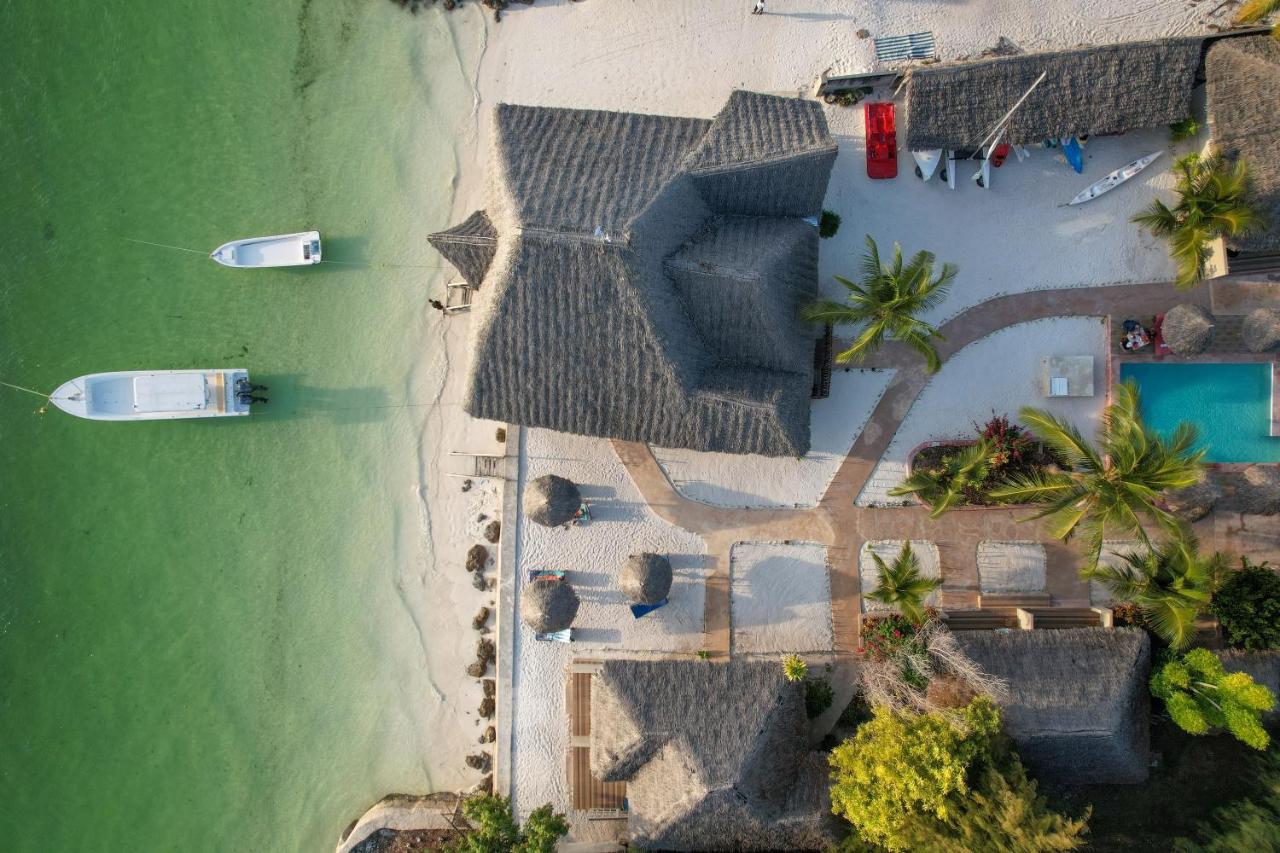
(1230, 403)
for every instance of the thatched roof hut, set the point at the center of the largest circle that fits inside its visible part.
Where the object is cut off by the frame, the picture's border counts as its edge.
(1089, 91)
(1261, 330)
(1254, 490)
(715, 756)
(551, 500)
(646, 578)
(1195, 501)
(647, 273)
(1079, 707)
(1187, 329)
(469, 246)
(1242, 77)
(548, 604)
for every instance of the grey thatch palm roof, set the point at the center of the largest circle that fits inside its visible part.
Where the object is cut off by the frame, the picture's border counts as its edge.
(551, 500)
(648, 271)
(716, 756)
(1261, 330)
(548, 604)
(1195, 501)
(1088, 91)
(1187, 329)
(646, 578)
(1242, 78)
(469, 246)
(1079, 707)
(1255, 490)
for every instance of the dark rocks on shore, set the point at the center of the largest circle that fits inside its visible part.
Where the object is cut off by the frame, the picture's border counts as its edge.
(481, 761)
(485, 785)
(477, 669)
(477, 557)
(493, 531)
(490, 735)
(487, 707)
(480, 619)
(490, 687)
(478, 581)
(485, 650)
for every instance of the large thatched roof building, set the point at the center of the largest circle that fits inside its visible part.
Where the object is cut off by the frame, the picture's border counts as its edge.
(1242, 78)
(715, 756)
(1079, 708)
(1088, 91)
(640, 276)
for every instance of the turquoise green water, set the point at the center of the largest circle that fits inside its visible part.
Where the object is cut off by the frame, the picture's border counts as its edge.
(1229, 403)
(196, 617)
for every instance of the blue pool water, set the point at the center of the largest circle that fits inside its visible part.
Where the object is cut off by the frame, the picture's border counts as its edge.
(1230, 403)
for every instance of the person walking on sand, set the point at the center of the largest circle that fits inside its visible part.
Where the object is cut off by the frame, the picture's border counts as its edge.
(759, 8)
(438, 305)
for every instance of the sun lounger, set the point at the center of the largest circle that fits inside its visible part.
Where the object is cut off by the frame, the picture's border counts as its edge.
(638, 610)
(914, 46)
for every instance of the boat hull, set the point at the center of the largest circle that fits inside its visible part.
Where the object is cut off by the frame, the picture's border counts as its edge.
(1114, 179)
(927, 162)
(282, 250)
(152, 395)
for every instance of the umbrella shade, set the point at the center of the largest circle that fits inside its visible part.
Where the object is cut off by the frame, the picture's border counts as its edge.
(551, 501)
(548, 605)
(1187, 329)
(1261, 330)
(646, 578)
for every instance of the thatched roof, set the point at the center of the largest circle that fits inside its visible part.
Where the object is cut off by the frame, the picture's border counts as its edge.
(646, 578)
(551, 500)
(548, 604)
(469, 246)
(716, 756)
(648, 274)
(1255, 490)
(1079, 706)
(1089, 91)
(1263, 667)
(1242, 78)
(1261, 330)
(1195, 501)
(1187, 329)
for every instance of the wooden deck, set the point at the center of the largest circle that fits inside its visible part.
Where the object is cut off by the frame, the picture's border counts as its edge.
(585, 791)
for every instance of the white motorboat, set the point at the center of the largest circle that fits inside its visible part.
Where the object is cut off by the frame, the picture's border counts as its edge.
(282, 250)
(1115, 179)
(150, 395)
(927, 162)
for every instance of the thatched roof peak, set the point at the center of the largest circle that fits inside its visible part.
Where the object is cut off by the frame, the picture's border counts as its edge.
(469, 246)
(1261, 330)
(551, 500)
(646, 578)
(548, 604)
(1187, 329)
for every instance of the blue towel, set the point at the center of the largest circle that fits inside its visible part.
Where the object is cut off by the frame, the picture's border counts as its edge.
(638, 610)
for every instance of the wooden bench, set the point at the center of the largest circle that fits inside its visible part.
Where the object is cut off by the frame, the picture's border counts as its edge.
(1014, 600)
(1062, 617)
(978, 620)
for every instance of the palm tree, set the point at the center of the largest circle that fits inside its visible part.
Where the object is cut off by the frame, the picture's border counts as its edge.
(1170, 583)
(1254, 11)
(886, 304)
(1213, 202)
(1113, 486)
(902, 584)
(944, 487)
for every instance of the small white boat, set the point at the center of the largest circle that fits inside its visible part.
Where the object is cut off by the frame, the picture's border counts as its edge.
(927, 162)
(282, 250)
(1115, 179)
(950, 172)
(151, 395)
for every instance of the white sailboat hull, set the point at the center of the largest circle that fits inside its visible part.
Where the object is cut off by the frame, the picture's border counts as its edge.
(152, 395)
(927, 162)
(1114, 179)
(282, 250)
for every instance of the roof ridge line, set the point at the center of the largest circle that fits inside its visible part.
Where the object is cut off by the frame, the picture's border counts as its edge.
(747, 165)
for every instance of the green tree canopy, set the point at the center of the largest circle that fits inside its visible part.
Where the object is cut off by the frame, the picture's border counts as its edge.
(494, 828)
(1201, 695)
(886, 304)
(1248, 607)
(902, 584)
(947, 485)
(1250, 825)
(1113, 487)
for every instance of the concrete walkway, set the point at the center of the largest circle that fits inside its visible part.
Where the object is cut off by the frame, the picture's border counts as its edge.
(844, 527)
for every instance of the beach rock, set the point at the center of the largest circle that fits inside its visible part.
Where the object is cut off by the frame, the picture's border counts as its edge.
(477, 669)
(1195, 501)
(489, 686)
(500, 434)
(484, 786)
(466, 485)
(478, 581)
(490, 735)
(493, 531)
(863, 34)
(477, 557)
(1261, 330)
(485, 650)
(486, 707)
(478, 621)
(481, 761)
(1187, 329)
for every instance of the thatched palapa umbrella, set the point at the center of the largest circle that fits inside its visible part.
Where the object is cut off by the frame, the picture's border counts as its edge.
(1195, 501)
(1261, 330)
(1187, 329)
(646, 578)
(549, 604)
(551, 501)
(1257, 490)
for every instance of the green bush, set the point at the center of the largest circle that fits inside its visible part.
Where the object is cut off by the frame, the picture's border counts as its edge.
(1248, 606)
(1184, 129)
(1245, 825)
(898, 766)
(494, 829)
(1200, 695)
(794, 668)
(829, 224)
(818, 696)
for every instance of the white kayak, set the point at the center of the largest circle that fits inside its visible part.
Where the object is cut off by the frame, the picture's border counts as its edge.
(151, 395)
(282, 250)
(927, 162)
(950, 172)
(1115, 179)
